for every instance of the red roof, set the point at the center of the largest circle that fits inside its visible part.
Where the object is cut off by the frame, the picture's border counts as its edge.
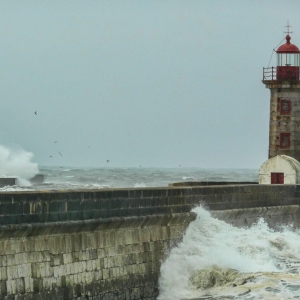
(288, 47)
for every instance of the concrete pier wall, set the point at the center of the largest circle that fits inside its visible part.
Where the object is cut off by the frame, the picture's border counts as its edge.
(6, 181)
(109, 244)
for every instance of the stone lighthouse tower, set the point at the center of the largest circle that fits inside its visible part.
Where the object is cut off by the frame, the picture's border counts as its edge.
(284, 84)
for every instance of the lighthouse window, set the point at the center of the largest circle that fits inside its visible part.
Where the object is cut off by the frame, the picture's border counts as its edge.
(285, 140)
(285, 107)
(288, 59)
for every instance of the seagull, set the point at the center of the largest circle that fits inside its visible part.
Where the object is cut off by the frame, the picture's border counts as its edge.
(36, 112)
(59, 153)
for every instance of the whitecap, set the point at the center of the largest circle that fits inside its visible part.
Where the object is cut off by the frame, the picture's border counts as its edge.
(138, 185)
(14, 188)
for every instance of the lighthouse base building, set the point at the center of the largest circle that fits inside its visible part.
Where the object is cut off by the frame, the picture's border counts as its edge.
(281, 169)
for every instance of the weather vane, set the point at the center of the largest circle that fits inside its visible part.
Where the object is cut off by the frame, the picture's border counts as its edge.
(288, 28)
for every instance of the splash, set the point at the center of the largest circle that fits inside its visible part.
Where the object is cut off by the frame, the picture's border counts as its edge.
(17, 163)
(216, 260)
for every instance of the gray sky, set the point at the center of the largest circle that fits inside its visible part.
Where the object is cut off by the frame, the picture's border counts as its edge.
(151, 83)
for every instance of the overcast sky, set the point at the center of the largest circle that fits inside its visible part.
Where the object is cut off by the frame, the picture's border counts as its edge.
(151, 83)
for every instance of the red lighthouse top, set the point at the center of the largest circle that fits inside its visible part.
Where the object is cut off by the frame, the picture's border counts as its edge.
(288, 47)
(288, 62)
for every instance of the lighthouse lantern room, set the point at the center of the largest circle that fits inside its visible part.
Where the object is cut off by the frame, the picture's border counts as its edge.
(287, 61)
(284, 84)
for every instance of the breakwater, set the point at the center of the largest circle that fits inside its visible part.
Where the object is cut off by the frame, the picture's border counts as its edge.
(109, 244)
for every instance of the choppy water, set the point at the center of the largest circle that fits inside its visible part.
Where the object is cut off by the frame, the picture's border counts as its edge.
(218, 261)
(93, 178)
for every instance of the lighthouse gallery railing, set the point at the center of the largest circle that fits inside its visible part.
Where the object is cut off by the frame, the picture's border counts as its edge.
(281, 73)
(269, 73)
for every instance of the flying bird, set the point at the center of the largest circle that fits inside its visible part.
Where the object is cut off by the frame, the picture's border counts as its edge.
(107, 160)
(51, 156)
(59, 153)
(55, 142)
(36, 112)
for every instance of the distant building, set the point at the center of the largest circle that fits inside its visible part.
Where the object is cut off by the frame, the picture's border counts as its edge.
(280, 169)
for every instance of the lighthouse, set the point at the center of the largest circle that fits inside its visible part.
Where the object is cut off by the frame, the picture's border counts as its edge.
(284, 84)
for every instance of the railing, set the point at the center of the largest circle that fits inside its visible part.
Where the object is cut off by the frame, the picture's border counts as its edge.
(269, 73)
(281, 73)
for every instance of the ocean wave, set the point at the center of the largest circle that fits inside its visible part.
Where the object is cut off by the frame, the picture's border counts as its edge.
(218, 260)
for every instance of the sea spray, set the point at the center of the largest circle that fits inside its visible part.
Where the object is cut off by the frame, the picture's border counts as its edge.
(216, 259)
(17, 163)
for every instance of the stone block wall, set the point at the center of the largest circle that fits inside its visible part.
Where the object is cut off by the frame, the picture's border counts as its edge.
(67, 206)
(289, 123)
(118, 259)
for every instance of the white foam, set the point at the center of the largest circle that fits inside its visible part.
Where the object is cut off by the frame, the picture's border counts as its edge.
(210, 243)
(13, 188)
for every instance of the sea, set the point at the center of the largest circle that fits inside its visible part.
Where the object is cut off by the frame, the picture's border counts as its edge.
(57, 178)
(215, 260)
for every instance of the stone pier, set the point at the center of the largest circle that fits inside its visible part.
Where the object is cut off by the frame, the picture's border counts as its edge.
(109, 244)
